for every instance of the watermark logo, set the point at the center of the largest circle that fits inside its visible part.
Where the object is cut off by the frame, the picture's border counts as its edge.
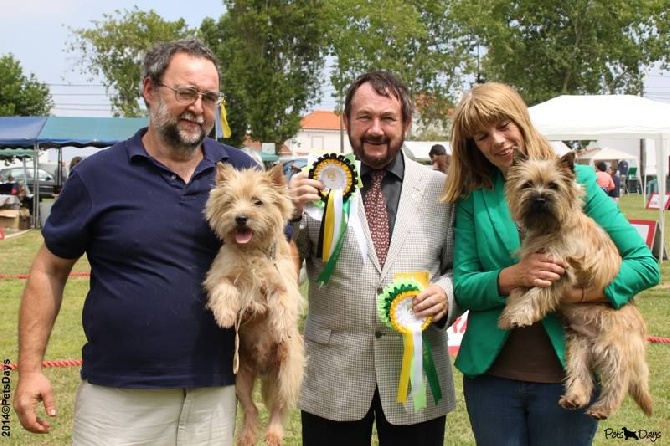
(631, 434)
(5, 402)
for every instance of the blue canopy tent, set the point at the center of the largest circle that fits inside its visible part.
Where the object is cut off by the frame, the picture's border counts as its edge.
(87, 132)
(40, 132)
(20, 132)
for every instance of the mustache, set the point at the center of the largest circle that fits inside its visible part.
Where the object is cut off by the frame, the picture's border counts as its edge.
(377, 140)
(192, 117)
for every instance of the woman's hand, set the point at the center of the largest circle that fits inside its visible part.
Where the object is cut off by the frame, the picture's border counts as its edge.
(536, 270)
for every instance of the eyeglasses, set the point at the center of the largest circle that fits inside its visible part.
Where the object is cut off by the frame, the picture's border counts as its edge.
(189, 95)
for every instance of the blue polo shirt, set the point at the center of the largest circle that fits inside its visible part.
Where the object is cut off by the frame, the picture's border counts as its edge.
(149, 246)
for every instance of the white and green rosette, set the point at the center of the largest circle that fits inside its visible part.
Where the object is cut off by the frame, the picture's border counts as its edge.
(394, 305)
(338, 174)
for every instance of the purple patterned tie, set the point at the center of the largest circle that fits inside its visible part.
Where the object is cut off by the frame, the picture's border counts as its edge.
(375, 212)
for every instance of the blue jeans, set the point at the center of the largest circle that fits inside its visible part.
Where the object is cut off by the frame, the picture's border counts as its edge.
(506, 412)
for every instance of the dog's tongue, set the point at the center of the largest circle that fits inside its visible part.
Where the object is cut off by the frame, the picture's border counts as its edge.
(243, 237)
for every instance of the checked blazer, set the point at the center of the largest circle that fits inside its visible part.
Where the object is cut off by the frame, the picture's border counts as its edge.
(349, 350)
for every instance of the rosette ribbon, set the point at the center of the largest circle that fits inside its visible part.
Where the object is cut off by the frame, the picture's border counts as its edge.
(394, 305)
(338, 175)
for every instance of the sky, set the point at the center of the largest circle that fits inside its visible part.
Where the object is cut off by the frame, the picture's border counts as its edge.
(36, 33)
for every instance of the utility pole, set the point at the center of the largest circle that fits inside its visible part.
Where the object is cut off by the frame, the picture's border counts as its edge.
(643, 151)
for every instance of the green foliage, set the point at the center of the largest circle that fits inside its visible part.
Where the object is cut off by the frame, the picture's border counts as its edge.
(413, 39)
(271, 53)
(114, 50)
(548, 48)
(21, 95)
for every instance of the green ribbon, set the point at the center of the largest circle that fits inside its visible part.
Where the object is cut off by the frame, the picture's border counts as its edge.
(328, 269)
(431, 373)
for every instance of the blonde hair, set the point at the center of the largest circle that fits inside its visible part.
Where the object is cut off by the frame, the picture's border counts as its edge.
(485, 105)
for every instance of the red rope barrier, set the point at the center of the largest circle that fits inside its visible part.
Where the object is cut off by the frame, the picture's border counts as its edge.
(78, 362)
(25, 276)
(51, 364)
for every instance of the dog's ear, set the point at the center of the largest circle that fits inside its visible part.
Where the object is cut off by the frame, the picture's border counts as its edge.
(518, 157)
(224, 172)
(276, 175)
(567, 161)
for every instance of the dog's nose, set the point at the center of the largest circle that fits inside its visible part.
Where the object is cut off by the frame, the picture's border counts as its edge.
(539, 203)
(241, 220)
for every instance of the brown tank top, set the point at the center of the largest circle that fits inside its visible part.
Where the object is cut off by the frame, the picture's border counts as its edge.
(528, 356)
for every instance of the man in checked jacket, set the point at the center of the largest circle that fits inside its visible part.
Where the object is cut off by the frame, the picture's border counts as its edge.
(354, 359)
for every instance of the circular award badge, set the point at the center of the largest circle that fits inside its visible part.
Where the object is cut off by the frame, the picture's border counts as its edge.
(335, 172)
(395, 307)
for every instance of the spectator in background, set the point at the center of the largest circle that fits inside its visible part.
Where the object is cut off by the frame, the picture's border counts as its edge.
(614, 193)
(73, 162)
(25, 198)
(439, 158)
(623, 167)
(14, 189)
(603, 178)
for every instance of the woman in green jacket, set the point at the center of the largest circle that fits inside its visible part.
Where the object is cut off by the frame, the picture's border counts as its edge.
(513, 379)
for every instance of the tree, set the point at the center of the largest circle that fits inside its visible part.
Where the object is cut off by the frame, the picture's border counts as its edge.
(547, 48)
(114, 50)
(413, 39)
(21, 95)
(272, 59)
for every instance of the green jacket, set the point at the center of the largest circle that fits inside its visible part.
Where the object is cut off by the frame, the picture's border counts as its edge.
(485, 242)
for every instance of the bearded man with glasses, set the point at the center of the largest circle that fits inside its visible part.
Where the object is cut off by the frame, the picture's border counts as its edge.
(156, 367)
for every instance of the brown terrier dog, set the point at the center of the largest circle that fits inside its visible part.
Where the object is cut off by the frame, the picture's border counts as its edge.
(546, 202)
(253, 286)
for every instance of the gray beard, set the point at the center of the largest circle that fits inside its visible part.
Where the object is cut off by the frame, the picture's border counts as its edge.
(172, 138)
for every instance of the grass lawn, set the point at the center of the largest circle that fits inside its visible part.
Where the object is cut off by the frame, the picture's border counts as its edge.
(67, 339)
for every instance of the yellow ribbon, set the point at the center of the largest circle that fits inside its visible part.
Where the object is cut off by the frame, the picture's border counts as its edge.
(406, 368)
(329, 226)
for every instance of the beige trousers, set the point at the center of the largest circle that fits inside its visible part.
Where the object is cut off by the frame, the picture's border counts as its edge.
(165, 417)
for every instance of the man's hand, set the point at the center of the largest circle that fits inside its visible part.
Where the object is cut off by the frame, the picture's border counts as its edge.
(32, 388)
(303, 190)
(432, 302)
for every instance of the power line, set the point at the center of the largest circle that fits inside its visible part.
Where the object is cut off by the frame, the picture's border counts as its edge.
(78, 94)
(82, 109)
(82, 104)
(73, 85)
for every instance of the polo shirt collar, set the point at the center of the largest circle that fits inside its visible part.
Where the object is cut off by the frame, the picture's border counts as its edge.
(213, 152)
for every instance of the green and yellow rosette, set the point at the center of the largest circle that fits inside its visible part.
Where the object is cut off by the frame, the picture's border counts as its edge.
(394, 305)
(338, 175)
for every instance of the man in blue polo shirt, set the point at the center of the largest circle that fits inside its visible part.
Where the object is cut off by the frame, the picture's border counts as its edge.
(156, 367)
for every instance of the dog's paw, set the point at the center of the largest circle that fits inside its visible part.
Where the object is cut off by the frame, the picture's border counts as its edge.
(525, 322)
(224, 318)
(281, 329)
(505, 322)
(281, 335)
(598, 414)
(274, 437)
(282, 352)
(255, 309)
(516, 319)
(572, 402)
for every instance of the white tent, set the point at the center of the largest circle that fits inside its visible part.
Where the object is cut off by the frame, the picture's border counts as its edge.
(609, 116)
(559, 147)
(605, 154)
